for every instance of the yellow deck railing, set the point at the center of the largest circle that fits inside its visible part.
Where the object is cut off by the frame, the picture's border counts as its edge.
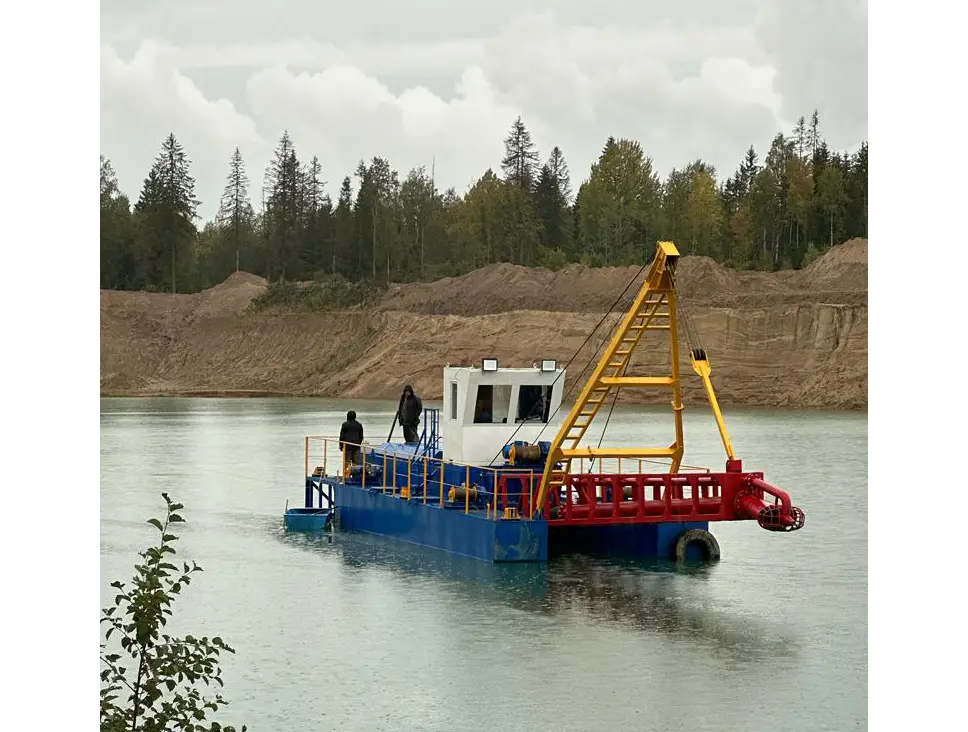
(403, 475)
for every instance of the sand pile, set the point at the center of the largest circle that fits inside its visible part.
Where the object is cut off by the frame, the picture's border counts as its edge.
(840, 276)
(844, 267)
(230, 297)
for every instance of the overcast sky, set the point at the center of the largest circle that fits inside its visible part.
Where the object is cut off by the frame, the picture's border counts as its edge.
(411, 80)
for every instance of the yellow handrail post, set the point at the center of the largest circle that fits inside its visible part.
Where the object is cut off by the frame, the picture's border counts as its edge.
(467, 490)
(425, 481)
(394, 488)
(363, 469)
(441, 483)
(495, 494)
(306, 473)
(409, 466)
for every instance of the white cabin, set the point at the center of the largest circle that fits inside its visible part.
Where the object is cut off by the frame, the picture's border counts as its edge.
(484, 405)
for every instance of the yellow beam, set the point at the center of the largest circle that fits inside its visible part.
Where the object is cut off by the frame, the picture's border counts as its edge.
(701, 366)
(619, 452)
(658, 288)
(676, 386)
(637, 381)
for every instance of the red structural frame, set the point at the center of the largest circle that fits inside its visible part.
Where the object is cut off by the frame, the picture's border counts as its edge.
(638, 498)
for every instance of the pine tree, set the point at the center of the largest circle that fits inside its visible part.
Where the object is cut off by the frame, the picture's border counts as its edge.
(813, 137)
(283, 183)
(167, 209)
(552, 195)
(235, 216)
(520, 160)
(343, 229)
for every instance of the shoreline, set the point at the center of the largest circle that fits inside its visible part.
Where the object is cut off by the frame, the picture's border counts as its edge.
(435, 403)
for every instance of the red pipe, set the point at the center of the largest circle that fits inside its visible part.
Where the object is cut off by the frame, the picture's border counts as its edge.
(785, 517)
(775, 492)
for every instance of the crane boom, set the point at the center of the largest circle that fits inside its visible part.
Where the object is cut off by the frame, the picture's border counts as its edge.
(654, 309)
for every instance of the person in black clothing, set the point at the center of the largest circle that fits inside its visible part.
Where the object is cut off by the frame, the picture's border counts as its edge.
(409, 414)
(351, 433)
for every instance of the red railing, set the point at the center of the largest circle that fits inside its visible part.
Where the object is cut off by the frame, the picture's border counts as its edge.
(665, 498)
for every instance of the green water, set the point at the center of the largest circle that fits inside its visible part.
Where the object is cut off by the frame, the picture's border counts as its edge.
(362, 633)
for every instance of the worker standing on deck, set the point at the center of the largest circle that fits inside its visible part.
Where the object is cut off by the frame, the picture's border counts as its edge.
(410, 409)
(350, 438)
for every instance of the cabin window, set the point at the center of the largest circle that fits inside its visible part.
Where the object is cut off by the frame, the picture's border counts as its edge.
(534, 403)
(491, 405)
(453, 400)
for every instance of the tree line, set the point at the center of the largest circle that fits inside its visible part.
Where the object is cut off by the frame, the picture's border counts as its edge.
(777, 212)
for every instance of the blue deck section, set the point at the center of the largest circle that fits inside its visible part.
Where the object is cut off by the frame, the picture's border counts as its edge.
(631, 541)
(472, 534)
(396, 464)
(369, 500)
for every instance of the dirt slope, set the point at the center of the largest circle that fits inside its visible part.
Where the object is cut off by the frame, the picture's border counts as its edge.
(786, 339)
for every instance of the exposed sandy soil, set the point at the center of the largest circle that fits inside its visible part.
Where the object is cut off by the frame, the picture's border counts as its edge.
(785, 339)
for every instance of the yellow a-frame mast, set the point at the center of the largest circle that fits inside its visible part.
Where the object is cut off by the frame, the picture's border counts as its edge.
(654, 309)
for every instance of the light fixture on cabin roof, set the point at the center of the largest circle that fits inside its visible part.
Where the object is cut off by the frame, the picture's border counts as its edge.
(548, 364)
(488, 364)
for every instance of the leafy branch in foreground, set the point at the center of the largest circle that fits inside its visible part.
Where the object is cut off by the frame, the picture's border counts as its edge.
(153, 683)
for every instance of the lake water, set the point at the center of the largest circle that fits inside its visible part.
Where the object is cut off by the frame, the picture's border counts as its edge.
(363, 633)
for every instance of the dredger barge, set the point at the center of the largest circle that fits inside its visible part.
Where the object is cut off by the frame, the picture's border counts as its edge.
(480, 481)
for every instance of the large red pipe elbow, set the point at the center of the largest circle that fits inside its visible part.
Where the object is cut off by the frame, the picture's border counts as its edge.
(778, 516)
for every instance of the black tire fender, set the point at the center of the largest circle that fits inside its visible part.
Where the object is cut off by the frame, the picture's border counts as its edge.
(710, 547)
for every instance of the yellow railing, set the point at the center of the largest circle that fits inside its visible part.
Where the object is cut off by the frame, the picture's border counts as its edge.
(322, 455)
(629, 465)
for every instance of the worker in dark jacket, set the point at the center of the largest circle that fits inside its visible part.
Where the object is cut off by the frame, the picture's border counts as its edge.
(350, 438)
(410, 409)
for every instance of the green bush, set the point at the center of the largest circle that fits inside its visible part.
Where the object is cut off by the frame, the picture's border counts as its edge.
(812, 254)
(324, 293)
(160, 689)
(553, 259)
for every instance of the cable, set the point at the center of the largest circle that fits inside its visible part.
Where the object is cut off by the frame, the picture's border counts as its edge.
(575, 355)
(692, 336)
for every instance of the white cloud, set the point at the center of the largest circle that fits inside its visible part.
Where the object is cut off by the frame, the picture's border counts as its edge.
(144, 99)
(692, 85)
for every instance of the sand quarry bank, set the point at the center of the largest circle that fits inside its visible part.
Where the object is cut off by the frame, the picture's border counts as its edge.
(795, 339)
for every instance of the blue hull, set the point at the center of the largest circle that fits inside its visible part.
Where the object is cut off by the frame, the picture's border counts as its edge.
(476, 535)
(472, 534)
(630, 541)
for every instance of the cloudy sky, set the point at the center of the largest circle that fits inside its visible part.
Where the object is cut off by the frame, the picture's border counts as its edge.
(416, 80)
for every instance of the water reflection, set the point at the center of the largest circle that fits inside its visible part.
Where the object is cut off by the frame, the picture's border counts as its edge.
(652, 597)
